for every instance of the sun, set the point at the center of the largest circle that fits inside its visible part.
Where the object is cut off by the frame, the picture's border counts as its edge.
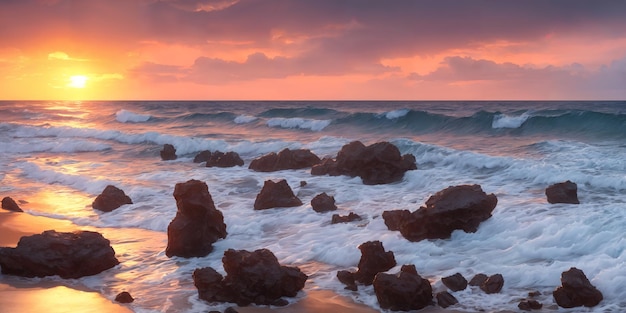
(78, 81)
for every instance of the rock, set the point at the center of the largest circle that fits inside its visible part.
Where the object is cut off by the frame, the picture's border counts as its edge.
(10, 205)
(276, 195)
(576, 290)
(395, 218)
(197, 224)
(445, 299)
(285, 160)
(455, 282)
(478, 280)
(203, 156)
(69, 255)
(124, 297)
(459, 207)
(374, 259)
(110, 199)
(252, 277)
(380, 163)
(323, 203)
(404, 291)
(347, 278)
(493, 284)
(566, 192)
(168, 153)
(228, 159)
(303, 183)
(528, 305)
(336, 218)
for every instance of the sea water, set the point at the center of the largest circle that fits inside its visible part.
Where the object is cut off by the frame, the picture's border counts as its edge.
(56, 157)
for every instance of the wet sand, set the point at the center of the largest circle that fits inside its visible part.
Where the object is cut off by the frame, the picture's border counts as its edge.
(24, 295)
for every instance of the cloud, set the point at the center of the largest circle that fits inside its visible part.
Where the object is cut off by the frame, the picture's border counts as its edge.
(60, 55)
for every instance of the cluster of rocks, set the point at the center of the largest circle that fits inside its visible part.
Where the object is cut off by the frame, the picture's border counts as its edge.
(257, 277)
(407, 290)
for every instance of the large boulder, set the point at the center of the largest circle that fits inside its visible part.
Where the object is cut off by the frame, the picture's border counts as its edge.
(221, 159)
(286, 159)
(197, 224)
(276, 195)
(576, 290)
(459, 207)
(168, 153)
(252, 277)
(565, 192)
(404, 291)
(379, 163)
(67, 254)
(110, 199)
(10, 205)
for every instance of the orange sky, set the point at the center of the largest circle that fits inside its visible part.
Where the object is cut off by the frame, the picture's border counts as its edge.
(312, 49)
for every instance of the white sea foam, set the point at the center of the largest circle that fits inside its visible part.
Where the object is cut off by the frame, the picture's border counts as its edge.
(506, 121)
(296, 122)
(245, 119)
(396, 114)
(124, 116)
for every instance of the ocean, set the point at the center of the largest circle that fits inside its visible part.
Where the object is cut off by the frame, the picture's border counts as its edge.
(56, 157)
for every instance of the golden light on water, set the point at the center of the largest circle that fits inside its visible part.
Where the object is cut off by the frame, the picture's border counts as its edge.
(78, 81)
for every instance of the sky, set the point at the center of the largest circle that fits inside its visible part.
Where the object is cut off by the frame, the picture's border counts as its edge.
(312, 50)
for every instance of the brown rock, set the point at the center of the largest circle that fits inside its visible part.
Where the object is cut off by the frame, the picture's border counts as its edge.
(576, 290)
(276, 195)
(124, 297)
(10, 205)
(323, 203)
(168, 153)
(565, 192)
(110, 199)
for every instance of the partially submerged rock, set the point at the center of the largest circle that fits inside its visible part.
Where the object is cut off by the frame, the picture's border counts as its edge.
(351, 217)
(565, 192)
(379, 163)
(576, 290)
(286, 159)
(67, 254)
(445, 299)
(404, 291)
(124, 297)
(197, 224)
(10, 205)
(276, 195)
(252, 277)
(323, 203)
(202, 156)
(168, 153)
(110, 199)
(221, 159)
(493, 284)
(455, 282)
(461, 207)
(374, 259)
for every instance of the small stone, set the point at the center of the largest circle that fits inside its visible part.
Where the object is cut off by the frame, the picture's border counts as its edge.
(124, 297)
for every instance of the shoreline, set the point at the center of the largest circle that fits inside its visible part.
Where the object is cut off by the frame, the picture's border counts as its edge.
(22, 294)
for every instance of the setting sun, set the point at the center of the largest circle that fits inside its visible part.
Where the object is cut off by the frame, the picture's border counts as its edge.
(78, 81)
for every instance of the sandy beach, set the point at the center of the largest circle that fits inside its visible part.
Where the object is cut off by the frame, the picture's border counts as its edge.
(30, 295)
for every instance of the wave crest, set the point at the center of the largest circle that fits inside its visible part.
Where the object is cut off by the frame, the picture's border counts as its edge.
(296, 122)
(124, 116)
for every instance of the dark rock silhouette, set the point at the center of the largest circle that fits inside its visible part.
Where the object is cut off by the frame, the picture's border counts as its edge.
(493, 284)
(455, 282)
(202, 156)
(445, 299)
(461, 207)
(286, 159)
(124, 297)
(379, 163)
(565, 192)
(252, 277)
(110, 199)
(374, 259)
(404, 291)
(69, 255)
(478, 280)
(276, 195)
(323, 203)
(221, 159)
(10, 205)
(351, 217)
(576, 290)
(197, 224)
(168, 153)
(529, 305)
(347, 278)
